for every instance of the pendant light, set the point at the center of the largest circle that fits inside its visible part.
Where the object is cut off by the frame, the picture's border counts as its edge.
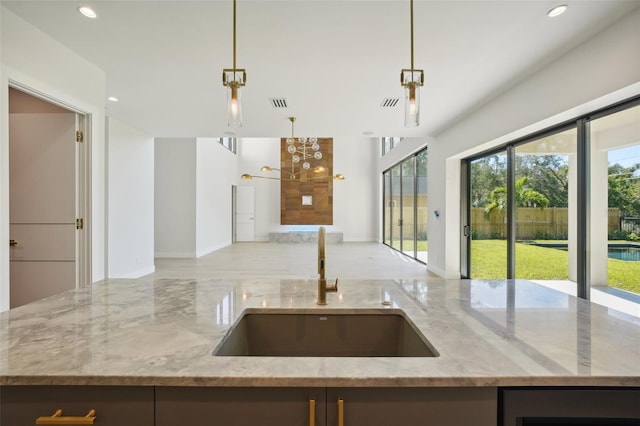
(233, 79)
(411, 80)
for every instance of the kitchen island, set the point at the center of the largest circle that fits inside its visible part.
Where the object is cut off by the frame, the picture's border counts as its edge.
(160, 333)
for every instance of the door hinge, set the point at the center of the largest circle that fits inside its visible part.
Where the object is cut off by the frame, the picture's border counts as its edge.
(79, 223)
(466, 230)
(79, 136)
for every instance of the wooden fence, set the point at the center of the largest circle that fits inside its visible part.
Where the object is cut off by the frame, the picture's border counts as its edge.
(531, 223)
(421, 219)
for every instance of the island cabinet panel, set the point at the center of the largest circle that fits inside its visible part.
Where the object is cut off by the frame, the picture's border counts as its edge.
(412, 406)
(113, 405)
(240, 406)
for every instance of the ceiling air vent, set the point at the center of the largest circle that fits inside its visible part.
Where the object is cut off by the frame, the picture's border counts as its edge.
(389, 102)
(278, 102)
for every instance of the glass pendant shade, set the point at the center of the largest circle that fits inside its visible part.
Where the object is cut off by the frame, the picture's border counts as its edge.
(411, 104)
(234, 105)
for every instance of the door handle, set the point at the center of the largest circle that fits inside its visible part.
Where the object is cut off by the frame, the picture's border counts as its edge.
(340, 412)
(58, 419)
(312, 412)
(13, 243)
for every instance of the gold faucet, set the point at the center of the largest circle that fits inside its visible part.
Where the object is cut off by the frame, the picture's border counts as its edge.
(323, 287)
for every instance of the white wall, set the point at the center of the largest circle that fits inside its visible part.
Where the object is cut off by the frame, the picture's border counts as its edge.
(130, 203)
(355, 200)
(35, 61)
(356, 207)
(193, 180)
(600, 72)
(254, 153)
(216, 172)
(175, 197)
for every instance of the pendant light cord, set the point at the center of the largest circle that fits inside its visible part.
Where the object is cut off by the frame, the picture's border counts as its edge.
(411, 38)
(234, 34)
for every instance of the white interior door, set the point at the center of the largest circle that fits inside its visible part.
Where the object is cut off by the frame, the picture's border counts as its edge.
(245, 217)
(42, 201)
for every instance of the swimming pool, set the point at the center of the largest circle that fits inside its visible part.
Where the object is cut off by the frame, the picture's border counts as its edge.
(628, 253)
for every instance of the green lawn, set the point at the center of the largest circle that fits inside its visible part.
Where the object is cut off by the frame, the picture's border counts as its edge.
(489, 259)
(408, 245)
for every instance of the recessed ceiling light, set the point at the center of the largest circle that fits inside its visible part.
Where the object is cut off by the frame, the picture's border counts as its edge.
(112, 99)
(367, 133)
(87, 11)
(229, 134)
(557, 11)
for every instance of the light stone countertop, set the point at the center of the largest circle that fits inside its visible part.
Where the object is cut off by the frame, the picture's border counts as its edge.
(162, 332)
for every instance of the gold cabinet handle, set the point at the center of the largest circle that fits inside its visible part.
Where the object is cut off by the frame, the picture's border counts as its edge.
(312, 412)
(340, 412)
(13, 243)
(58, 419)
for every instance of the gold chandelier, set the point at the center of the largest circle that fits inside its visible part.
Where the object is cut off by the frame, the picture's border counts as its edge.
(302, 149)
(233, 79)
(411, 79)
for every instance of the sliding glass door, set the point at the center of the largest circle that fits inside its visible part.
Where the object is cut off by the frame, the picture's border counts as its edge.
(488, 210)
(396, 208)
(408, 243)
(561, 208)
(615, 177)
(406, 206)
(522, 203)
(388, 207)
(422, 206)
(544, 205)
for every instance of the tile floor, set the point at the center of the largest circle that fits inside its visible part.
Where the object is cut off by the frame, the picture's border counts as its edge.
(344, 261)
(249, 260)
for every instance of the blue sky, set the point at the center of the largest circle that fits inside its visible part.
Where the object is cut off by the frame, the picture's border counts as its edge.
(626, 157)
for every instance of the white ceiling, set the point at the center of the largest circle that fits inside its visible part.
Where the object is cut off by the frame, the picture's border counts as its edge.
(333, 60)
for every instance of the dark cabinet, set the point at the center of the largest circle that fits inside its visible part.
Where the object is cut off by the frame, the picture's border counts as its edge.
(325, 406)
(113, 405)
(240, 406)
(411, 406)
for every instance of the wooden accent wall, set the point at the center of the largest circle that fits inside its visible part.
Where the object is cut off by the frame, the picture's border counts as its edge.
(306, 182)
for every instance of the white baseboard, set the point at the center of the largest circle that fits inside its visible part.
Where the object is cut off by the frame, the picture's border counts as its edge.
(175, 255)
(213, 248)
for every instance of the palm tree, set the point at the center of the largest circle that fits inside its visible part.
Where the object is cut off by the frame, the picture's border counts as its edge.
(525, 197)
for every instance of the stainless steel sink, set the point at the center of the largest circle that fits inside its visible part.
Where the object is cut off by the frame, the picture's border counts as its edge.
(354, 333)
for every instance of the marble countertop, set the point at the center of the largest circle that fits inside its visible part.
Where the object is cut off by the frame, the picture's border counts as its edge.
(162, 332)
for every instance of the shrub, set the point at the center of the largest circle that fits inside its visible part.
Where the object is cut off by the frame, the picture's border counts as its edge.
(542, 235)
(618, 234)
(496, 235)
(479, 235)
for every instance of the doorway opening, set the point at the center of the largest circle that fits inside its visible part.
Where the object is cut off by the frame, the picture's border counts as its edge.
(243, 203)
(48, 197)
